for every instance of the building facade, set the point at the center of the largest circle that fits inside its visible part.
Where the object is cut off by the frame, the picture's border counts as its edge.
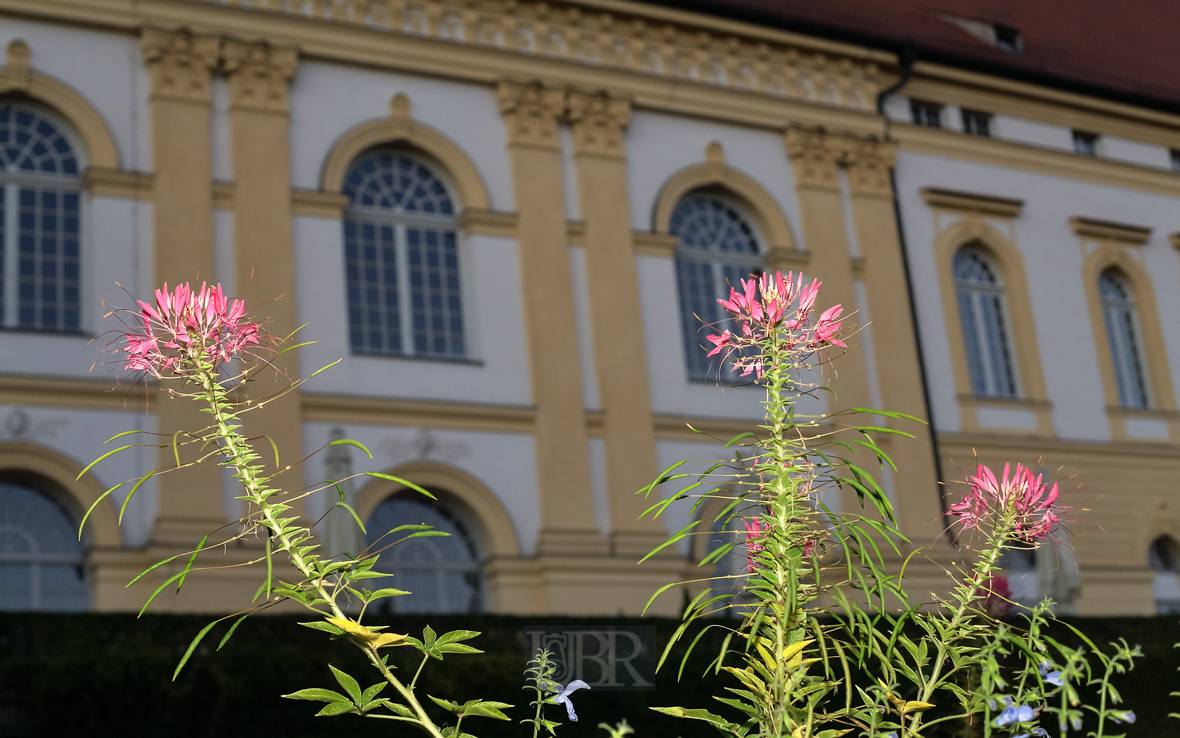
(501, 217)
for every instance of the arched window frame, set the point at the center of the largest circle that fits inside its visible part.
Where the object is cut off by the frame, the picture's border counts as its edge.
(726, 269)
(1124, 339)
(984, 325)
(54, 501)
(402, 225)
(1122, 256)
(463, 533)
(45, 190)
(961, 224)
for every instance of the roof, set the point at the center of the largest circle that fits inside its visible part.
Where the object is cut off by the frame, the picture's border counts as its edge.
(1119, 50)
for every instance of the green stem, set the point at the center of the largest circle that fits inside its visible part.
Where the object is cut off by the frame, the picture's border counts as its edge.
(239, 452)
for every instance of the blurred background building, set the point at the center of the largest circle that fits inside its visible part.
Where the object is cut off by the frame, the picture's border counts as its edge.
(502, 216)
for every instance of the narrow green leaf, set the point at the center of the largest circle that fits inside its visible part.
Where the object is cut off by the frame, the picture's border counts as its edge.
(399, 480)
(351, 512)
(324, 368)
(290, 348)
(120, 435)
(192, 647)
(230, 632)
(131, 494)
(886, 414)
(674, 539)
(191, 560)
(107, 455)
(275, 447)
(321, 625)
(152, 568)
(159, 589)
(101, 497)
(336, 708)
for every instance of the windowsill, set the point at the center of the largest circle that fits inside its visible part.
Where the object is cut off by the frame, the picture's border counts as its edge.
(462, 361)
(1011, 402)
(1139, 412)
(39, 332)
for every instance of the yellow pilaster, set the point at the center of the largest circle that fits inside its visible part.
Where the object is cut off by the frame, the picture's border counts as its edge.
(263, 258)
(897, 366)
(182, 209)
(531, 114)
(597, 123)
(815, 157)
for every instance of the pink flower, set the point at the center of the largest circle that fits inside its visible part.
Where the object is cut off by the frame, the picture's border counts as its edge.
(719, 342)
(754, 531)
(183, 326)
(1018, 494)
(827, 327)
(807, 296)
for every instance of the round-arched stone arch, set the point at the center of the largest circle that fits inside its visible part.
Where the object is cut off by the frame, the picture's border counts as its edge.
(18, 80)
(399, 129)
(478, 505)
(62, 472)
(717, 176)
(1110, 255)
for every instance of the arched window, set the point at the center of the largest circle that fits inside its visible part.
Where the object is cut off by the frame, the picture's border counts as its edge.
(718, 247)
(441, 572)
(984, 322)
(40, 556)
(401, 257)
(40, 224)
(1164, 558)
(1122, 331)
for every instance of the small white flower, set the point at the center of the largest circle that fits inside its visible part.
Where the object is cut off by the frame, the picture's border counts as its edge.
(563, 697)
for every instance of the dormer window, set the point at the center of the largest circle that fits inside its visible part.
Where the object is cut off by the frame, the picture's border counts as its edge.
(926, 113)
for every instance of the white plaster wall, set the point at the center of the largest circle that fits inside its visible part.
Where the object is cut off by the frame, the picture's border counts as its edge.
(897, 107)
(697, 457)
(569, 174)
(1053, 260)
(581, 297)
(596, 450)
(505, 463)
(117, 247)
(493, 310)
(659, 145)
(79, 435)
(224, 267)
(104, 68)
(1032, 132)
(1135, 152)
(329, 99)
(671, 391)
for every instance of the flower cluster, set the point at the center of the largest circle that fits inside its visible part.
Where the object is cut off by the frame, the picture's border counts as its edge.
(187, 324)
(764, 308)
(754, 531)
(1019, 494)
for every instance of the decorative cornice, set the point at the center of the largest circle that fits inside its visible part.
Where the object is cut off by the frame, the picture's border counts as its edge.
(655, 244)
(531, 112)
(815, 156)
(258, 76)
(180, 64)
(1004, 207)
(1174, 238)
(316, 204)
(1105, 230)
(597, 122)
(484, 222)
(650, 41)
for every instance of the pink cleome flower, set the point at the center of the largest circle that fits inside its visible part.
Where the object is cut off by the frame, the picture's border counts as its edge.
(754, 531)
(1018, 493)
(764, 305)
(184, 324)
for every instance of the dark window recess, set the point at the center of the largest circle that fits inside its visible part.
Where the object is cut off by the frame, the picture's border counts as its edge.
(1085, 144)
(977, 123)
(1008, 39)
(1175, 153)
(926, 113)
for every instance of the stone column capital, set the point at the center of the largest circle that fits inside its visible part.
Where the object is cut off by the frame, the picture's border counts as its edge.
(531, 112)
(869, 162)
(258, 75)
(180, 63)
(597, 121)
(815, 156)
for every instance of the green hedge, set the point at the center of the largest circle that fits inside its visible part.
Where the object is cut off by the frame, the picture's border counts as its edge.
(111, 675)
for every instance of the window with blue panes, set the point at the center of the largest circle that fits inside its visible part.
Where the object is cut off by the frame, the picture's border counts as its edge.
(41, 559)
(1122, 332)
(718, 247)
(983, 319)
(401, 253)
(40, 222)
